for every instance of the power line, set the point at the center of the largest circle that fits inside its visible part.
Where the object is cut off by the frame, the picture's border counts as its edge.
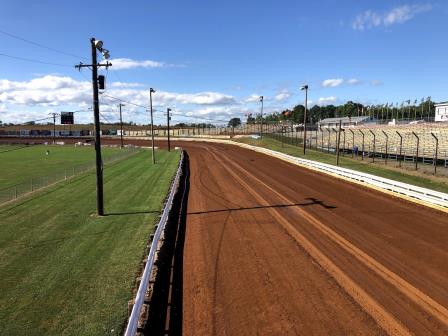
(124, 101)
(40, 45)
(34, 61)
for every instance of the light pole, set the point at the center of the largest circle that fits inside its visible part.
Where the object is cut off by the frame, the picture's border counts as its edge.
(97, 45)
(54, 126)
(261, 123)
(305, 87)
(121, 126)
(151, 91)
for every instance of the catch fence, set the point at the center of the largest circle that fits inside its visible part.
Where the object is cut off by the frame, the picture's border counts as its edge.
(416, 148)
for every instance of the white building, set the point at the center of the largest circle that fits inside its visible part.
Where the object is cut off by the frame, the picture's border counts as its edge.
(346, 121)
(441, 111)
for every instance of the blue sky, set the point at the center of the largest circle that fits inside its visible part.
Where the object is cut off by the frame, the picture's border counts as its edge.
(212, 59)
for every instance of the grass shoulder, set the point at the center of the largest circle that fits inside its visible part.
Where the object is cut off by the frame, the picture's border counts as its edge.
(65, 271)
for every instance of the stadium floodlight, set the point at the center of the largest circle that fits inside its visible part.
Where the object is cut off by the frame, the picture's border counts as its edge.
(98, 44)
(106, 54)
(304, 88)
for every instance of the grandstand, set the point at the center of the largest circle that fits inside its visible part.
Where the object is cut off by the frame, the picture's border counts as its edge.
(426, 142)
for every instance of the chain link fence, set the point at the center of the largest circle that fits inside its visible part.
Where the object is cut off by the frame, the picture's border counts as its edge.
(19, 190)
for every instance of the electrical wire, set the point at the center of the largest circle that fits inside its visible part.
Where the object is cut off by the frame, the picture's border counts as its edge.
(34, 61)
(40, 45)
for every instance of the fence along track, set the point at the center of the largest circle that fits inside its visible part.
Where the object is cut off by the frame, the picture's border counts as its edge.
(17, 191)
(133, 322)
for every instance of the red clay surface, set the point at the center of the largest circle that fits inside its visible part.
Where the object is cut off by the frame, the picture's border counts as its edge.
(274, 249)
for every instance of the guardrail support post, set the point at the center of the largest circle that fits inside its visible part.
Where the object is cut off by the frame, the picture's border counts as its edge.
(435, 155)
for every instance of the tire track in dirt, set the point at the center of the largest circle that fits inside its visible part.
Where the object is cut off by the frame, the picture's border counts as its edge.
(373, 308)
(424, 301)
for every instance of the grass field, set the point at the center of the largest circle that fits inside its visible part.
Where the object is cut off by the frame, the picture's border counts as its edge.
(20, 164)
(415, 178)
(63, 270)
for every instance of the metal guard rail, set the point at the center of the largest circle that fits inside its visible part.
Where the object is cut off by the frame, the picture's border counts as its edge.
(424, 194)
(132, 325)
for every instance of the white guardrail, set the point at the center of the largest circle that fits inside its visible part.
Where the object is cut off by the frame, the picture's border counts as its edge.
(431, 197)
(132, 325)
(423, 194)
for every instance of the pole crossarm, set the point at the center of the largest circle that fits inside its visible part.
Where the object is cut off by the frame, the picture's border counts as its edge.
(82, 65)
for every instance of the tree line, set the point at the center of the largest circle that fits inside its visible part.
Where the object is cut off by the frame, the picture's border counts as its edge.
(350, 109)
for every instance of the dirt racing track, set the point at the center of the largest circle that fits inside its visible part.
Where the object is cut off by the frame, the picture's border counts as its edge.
(274, 249)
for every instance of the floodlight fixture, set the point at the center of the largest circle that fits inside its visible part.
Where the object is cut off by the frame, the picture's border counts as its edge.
(98, 44)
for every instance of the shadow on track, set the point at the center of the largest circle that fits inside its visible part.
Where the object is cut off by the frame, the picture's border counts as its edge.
(313, 201)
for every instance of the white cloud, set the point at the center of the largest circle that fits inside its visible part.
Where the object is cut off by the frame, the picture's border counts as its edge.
(401, 14)
(126, 85)
(127, 63)
(333, 82)
(60, 92)
(253, 98)
(283, 95)
(327, 100)
(376, 82)
(353, 81)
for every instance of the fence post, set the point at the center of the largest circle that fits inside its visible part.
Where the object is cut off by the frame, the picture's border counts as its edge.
(328, 142)
(338, 142)
(353, 143)
(321, 139)
(387, 143)
(416, 153)
(401, 147)
(343, 145)
(374, 143)
(362, 156)
(436, 156)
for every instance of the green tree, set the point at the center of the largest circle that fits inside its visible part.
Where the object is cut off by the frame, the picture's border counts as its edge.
(234, 122)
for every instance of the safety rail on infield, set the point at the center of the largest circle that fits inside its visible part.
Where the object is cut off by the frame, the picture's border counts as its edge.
(25, 188)
(132, 326)
(423, 194)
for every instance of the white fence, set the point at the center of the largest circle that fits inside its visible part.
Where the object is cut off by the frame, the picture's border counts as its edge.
(423, 194)
(132, 325)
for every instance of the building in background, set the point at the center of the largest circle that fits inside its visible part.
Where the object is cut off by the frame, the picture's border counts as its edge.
(441, 111)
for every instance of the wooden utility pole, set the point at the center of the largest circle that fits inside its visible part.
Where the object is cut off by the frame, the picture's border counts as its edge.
(121, 126)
